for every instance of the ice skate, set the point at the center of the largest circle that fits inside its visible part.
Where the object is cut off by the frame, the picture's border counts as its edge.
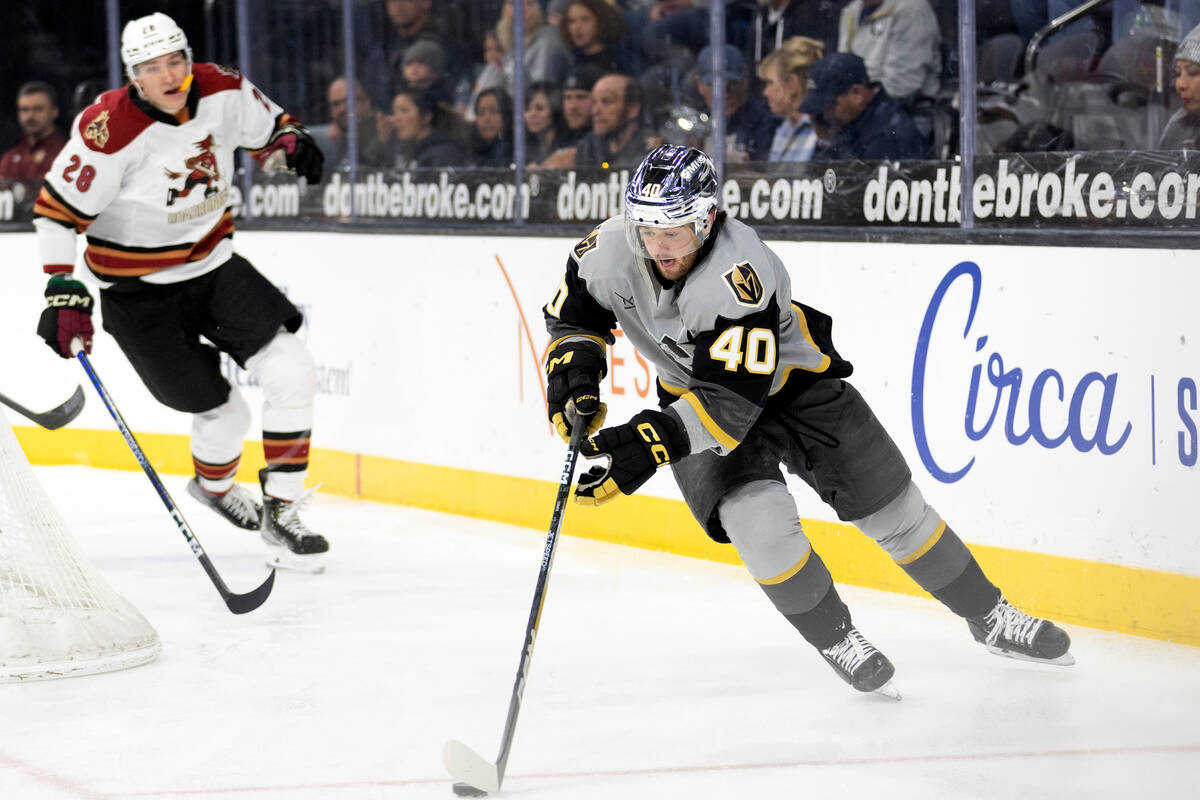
(236, 505)
(1008, 631)
(290, 544)
(862, 666)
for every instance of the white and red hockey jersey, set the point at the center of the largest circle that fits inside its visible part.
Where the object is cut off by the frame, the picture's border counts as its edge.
(151, 190)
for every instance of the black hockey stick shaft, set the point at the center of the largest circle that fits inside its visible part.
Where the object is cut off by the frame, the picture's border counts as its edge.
(54, 418)
(237, 603)
(539, 596)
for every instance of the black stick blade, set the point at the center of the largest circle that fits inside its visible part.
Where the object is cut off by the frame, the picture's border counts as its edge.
(467, 790)
(243, 603)
(54, 418)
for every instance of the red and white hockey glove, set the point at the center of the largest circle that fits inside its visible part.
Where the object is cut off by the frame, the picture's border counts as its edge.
(635, 451)
(293, 145)
(68, 315)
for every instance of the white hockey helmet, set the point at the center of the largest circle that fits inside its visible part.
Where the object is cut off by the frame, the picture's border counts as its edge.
(674, 187)
(149, 37)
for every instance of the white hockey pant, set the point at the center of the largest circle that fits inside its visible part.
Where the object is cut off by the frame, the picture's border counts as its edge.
(285, 371)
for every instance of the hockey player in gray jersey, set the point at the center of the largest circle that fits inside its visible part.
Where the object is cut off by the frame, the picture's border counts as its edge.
(748, 380)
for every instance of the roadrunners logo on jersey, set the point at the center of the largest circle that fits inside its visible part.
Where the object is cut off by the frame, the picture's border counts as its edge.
(201, 170)
(744, 283)
(97, 130)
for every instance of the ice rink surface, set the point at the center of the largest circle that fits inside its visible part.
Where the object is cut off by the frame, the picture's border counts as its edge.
(654, 676)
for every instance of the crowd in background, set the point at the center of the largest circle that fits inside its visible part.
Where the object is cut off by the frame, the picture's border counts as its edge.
(605, 80)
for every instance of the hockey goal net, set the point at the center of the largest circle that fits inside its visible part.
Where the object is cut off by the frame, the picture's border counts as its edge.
(58, 616)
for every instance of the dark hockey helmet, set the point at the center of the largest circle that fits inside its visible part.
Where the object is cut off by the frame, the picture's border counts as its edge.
(673, 187)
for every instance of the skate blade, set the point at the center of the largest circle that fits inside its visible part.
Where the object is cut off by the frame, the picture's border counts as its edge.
(1065, 660)
(889, 691)
(282, 558)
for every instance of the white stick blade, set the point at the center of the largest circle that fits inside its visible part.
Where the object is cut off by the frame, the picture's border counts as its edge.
(468, 766)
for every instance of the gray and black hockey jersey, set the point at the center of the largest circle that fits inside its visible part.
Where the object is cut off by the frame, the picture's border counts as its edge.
(726, 340)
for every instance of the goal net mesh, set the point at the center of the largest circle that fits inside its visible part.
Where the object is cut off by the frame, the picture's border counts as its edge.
(58, 616)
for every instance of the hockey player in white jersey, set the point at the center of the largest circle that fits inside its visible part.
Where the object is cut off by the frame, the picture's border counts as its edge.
(749, 379)
(146, 176)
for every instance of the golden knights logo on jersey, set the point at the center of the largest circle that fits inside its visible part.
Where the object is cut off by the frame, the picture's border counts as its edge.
(200, 169)
(743, 281)
(97, 130)
(587, 244)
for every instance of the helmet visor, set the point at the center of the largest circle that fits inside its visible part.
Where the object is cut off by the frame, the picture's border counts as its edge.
(662, 244)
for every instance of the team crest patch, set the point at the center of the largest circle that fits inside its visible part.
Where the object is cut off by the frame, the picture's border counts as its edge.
(588, 244)
(97, 130)
(744, 283)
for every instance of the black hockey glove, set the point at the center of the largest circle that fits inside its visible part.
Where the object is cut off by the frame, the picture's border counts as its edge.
(300, 153)
(68, 315)
(574, 370)
(635, 450)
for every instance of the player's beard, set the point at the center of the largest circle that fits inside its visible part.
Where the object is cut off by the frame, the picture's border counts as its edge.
(673, 269)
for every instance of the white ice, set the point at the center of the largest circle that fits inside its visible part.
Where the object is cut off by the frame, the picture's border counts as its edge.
(654, 676)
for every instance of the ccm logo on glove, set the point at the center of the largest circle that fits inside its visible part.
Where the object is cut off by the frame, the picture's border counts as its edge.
(635, 451)
(574, 369)
(68, 315)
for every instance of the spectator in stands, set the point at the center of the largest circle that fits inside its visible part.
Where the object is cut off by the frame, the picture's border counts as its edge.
(28, 161)
(577, 116)
(491, 140)
(656, 30)
(391, 27)
(555, 10)
(618, 136)
(898, 40)
(1183, 128)
(591, 29)
(467, 22)
(577, 102)
(374, 128)
(777, 20)
(491, 76)
(423, 130)
(785, 76)
(425, 68)
(544, 124)
(749, 126)
(867, 123)
(546, 59)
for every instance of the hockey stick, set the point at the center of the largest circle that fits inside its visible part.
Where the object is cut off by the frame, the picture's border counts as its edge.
(54, 418)
(237, 603)
(478, 776)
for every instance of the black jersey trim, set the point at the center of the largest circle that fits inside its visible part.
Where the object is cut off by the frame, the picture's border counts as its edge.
(59, 199)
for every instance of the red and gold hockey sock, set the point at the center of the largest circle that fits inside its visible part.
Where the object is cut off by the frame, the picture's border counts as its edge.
(287, 463)
(286, 451)
(215, 478)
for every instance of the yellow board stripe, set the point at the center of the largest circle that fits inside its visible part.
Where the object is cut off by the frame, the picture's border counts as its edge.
(925, 548)
(783, 576)
(1144, 602)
